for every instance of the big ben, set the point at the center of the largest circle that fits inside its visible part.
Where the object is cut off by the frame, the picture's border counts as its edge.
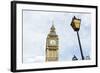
(52, 45)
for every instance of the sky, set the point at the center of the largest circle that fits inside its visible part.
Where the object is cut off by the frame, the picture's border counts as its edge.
(36, 26)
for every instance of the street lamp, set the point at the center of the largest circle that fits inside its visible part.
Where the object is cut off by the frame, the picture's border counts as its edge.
(76, 26)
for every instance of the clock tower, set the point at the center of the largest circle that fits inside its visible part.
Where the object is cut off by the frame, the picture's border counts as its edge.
(52, 45)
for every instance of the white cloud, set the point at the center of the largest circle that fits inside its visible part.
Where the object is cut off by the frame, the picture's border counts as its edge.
(34, 59)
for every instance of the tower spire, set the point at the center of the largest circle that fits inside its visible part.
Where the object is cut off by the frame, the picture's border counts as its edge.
(52, 22)
(52, 27)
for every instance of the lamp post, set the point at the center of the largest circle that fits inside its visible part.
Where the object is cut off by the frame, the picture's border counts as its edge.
(76, 26)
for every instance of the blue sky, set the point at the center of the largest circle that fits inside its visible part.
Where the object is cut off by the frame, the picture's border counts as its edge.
(36, 26)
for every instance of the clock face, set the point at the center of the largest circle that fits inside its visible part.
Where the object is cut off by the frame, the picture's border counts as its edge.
(52, 42)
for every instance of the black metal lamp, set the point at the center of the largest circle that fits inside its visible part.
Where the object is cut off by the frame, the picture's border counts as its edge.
(76, 26)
